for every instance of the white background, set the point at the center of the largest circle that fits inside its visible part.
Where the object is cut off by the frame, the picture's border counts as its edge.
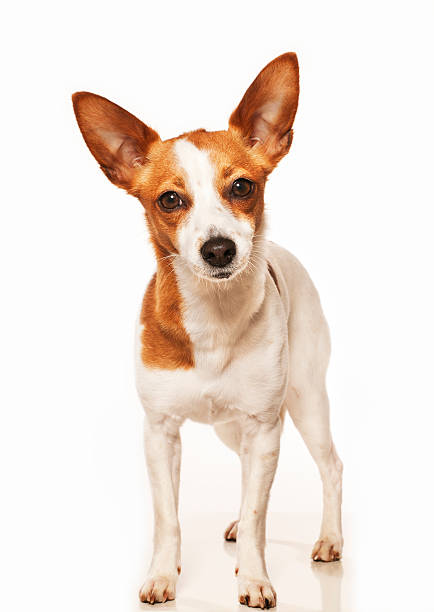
(353, 200)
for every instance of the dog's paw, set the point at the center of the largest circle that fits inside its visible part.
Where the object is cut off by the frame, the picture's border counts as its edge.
(327, 549)
(158, 589)
(231, 532)
(256, 593)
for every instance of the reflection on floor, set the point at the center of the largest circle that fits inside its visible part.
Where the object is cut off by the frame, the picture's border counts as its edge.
(207, 582)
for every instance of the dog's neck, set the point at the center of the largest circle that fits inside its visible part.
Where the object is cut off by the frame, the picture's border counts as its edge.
(215, 315)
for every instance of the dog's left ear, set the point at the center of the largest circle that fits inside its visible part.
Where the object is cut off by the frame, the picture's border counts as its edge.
(265, 115)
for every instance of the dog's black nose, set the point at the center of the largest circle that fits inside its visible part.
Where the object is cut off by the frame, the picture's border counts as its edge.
(219, 251)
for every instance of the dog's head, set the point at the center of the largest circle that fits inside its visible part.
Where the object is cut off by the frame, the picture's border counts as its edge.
(203, 192)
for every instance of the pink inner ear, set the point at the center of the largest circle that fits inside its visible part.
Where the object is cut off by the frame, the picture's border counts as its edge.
(265, 118)
(123, 148)
(130, 153)
(271, 110)
(261, 131)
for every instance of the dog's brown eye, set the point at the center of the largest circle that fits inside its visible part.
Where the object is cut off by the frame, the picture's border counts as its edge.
(170, 200)
(242, 187)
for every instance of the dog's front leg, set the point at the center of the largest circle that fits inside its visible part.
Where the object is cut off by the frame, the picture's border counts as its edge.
(163, 452)
(260, 449)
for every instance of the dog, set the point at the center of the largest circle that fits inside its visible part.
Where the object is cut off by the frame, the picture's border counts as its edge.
(231, 330)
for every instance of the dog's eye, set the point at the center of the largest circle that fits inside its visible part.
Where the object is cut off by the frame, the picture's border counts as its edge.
(170, 200)
(242, 188)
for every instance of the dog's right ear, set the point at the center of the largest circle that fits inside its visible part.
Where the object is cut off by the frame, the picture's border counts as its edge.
(118, 140)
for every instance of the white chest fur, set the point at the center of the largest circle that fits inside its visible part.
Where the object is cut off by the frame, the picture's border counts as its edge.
(240, 343)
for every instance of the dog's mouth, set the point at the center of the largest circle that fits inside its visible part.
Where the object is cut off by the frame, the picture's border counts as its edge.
(216, 277)
(219, 275)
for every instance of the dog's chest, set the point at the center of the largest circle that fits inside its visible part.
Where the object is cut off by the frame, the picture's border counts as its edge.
(241, 366)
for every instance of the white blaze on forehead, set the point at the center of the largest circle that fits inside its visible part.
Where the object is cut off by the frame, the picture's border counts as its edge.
(208, 216)
(195, 162)
(200, 173)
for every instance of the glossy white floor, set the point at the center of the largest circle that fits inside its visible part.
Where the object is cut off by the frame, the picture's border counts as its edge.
(207, 582)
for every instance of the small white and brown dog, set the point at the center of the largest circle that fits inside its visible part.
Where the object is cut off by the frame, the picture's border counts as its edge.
(231, 330)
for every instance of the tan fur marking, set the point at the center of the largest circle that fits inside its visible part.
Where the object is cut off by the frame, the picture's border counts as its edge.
(165, 343)
(161, 173)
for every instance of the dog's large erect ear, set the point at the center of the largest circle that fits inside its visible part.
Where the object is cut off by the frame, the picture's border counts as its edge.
(118, 140)
(265, 115)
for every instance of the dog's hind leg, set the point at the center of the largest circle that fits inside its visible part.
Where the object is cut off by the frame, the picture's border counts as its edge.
(308, 405)
(230, 434)
(310, 413)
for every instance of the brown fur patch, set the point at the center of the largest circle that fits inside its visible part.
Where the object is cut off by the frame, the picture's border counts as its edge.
(161, 173)
(165, 343)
